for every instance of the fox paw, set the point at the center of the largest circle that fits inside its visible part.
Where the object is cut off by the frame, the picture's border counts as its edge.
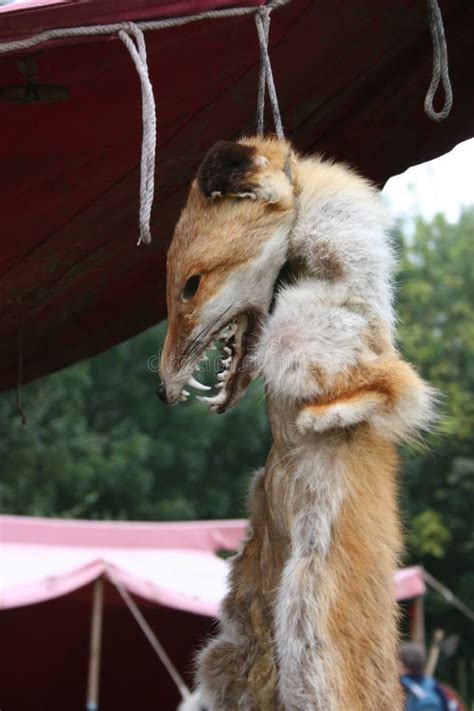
(344, 412)
(308, 421)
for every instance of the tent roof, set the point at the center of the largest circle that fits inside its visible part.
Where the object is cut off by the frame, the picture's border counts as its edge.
(172, 564)
(351, 78)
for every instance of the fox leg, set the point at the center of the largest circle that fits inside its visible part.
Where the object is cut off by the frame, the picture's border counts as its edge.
(342, 412)
(384, 392)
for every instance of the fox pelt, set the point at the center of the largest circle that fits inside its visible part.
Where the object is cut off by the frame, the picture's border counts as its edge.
(309, 622)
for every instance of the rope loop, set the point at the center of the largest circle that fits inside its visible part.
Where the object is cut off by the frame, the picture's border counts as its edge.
(262, 22)
(440, 65)
(134, 40)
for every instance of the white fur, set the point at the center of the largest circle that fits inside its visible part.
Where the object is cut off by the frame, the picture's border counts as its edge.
(308, 330)
(305, 661)
(341, 414)
(251, 284)
(412, 413)
(195, 702)
(352, 223)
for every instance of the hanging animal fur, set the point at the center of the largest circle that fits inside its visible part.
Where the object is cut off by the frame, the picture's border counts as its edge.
(309, 621)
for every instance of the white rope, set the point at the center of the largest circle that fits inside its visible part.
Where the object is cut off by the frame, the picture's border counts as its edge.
(113, 28)
(262, 21)
(132, 37)
(147, 164)
(262, 82)
(440, 65)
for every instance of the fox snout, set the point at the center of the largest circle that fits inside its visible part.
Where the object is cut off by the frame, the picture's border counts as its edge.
(174, 372)
(161, 392)
(170, 395)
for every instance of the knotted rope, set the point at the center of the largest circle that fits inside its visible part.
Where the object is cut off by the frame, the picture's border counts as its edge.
(440, 65)
(262, 80)
(265, 79)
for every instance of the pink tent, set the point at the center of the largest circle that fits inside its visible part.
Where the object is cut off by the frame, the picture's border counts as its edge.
(48, 568)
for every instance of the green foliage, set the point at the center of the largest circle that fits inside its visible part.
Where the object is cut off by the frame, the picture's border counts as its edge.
(428, 534)
(435, 298)
(99, 444)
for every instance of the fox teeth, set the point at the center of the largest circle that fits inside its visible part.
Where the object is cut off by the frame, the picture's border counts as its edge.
(218, 399)
(226, 362)
(229, 330)
(227, 350)
(196, 384)
(222, 376)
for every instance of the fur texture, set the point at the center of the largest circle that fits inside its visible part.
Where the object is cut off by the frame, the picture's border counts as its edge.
(309, 622)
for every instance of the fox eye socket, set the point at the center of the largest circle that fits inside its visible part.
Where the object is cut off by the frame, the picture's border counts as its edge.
(191, 287)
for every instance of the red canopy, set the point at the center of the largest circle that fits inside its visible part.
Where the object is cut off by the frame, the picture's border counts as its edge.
(351, 78)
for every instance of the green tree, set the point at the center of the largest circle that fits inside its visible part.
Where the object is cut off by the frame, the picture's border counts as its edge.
(436, 330)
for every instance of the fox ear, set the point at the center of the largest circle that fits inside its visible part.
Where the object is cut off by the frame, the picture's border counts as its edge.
(239, 170)
(227, 170)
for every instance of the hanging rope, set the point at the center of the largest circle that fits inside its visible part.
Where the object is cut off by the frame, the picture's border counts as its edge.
(440, 65)
(150, 635)
(137, 51)
(262, 81)
(131, 34)
(262, 21)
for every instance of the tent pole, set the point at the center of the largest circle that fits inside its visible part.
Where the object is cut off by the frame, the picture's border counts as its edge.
(418, 624)
(93, 675)
(151, 637)
(433, 655)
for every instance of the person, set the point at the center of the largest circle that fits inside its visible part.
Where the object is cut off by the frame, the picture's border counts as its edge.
(423, 693)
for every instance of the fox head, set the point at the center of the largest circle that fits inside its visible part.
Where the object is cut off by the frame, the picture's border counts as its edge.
(227, 250)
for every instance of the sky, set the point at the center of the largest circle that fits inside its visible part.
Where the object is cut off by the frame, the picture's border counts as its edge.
(445, 185)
